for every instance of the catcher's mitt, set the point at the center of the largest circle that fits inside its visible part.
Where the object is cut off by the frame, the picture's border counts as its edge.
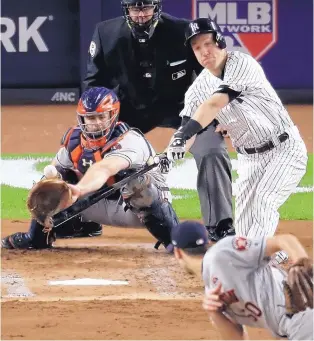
(298, 287)
(47, 198)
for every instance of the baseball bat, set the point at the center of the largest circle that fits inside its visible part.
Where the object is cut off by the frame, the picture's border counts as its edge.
(82, 204)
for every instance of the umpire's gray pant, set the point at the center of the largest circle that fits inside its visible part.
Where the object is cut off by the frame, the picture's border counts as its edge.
(214, 184)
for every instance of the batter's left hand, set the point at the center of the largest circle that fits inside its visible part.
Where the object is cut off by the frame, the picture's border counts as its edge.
(176, 148)
(222, 131)
(165, 165)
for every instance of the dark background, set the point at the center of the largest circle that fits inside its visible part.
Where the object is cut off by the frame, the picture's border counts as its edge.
(69, 26)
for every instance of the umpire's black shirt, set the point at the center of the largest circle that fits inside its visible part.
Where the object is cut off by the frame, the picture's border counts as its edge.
(152, 77)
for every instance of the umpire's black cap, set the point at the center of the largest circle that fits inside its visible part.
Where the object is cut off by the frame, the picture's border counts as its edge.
(189, 234)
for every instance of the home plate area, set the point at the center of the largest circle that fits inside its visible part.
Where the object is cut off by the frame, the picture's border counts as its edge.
(97, 285)
(116, 286)
(94, 268)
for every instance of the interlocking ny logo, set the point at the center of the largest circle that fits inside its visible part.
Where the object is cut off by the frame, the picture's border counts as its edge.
(194, 27)
(85, 163)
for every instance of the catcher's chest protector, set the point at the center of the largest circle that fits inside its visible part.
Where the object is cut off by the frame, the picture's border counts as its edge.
(82, 157)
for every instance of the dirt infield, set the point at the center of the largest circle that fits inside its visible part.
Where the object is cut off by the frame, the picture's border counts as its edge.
(159, 301)
(38, 129)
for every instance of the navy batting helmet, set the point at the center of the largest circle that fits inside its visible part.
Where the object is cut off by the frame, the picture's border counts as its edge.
(98, 101)
(205, 25)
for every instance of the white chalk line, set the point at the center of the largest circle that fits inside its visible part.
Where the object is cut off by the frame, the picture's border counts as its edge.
(64, 245)
(128, 296)
(15, 286)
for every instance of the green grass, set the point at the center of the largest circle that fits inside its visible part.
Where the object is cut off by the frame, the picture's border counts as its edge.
(307, 180)
(39, 166)
(13, 203)
(298, 207)
(25, 156)
(189, 206)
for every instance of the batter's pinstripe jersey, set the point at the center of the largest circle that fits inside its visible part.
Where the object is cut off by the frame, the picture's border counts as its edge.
(252, 119)
(256, 115)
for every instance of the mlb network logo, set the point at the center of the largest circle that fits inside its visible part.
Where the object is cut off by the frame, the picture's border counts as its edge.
(249, 26)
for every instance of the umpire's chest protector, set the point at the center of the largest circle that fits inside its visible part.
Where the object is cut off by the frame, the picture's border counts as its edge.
(173, 64)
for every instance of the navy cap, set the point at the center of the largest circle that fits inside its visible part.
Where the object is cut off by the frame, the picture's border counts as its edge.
(189, 234)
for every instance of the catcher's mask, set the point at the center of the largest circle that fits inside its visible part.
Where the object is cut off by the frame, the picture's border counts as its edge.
(97, 114)
(142, 31)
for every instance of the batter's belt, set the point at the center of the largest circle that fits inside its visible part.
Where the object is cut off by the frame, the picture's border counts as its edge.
(265, 147)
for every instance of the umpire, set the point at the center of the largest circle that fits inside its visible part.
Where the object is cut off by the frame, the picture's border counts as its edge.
(143, 54)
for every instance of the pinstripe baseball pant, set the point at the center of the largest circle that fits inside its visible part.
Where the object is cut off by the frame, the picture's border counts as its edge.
(265, 182)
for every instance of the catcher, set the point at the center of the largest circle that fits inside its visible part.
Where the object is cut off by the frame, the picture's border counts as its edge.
(242, 288)
(99, 151)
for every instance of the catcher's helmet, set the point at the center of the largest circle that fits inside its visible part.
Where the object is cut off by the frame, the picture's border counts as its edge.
(142, 31)
(98, 101)
(205, 25)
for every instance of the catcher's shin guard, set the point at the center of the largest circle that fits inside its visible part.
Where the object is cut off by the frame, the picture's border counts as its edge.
(75, 228)
(224, 228)
(19, 240)
(159, 219)
(35, 238)
(40, 239)
(146, 200)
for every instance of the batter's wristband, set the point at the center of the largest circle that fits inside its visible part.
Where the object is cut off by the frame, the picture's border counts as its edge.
(190, 129)
(185, 120)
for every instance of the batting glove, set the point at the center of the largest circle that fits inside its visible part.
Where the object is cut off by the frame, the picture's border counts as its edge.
(176, 148)
(165, 165)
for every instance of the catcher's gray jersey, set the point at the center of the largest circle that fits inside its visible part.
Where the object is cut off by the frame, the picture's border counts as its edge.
(133, 147)
(252, 288)
(136, 150)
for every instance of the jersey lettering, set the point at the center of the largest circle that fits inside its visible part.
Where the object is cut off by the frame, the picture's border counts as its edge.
(229, 297)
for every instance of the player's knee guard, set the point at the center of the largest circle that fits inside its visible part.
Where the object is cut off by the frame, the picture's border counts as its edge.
(155, 212)
(140, 192)
(222, 229)
(159, 219)
(40, 239)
